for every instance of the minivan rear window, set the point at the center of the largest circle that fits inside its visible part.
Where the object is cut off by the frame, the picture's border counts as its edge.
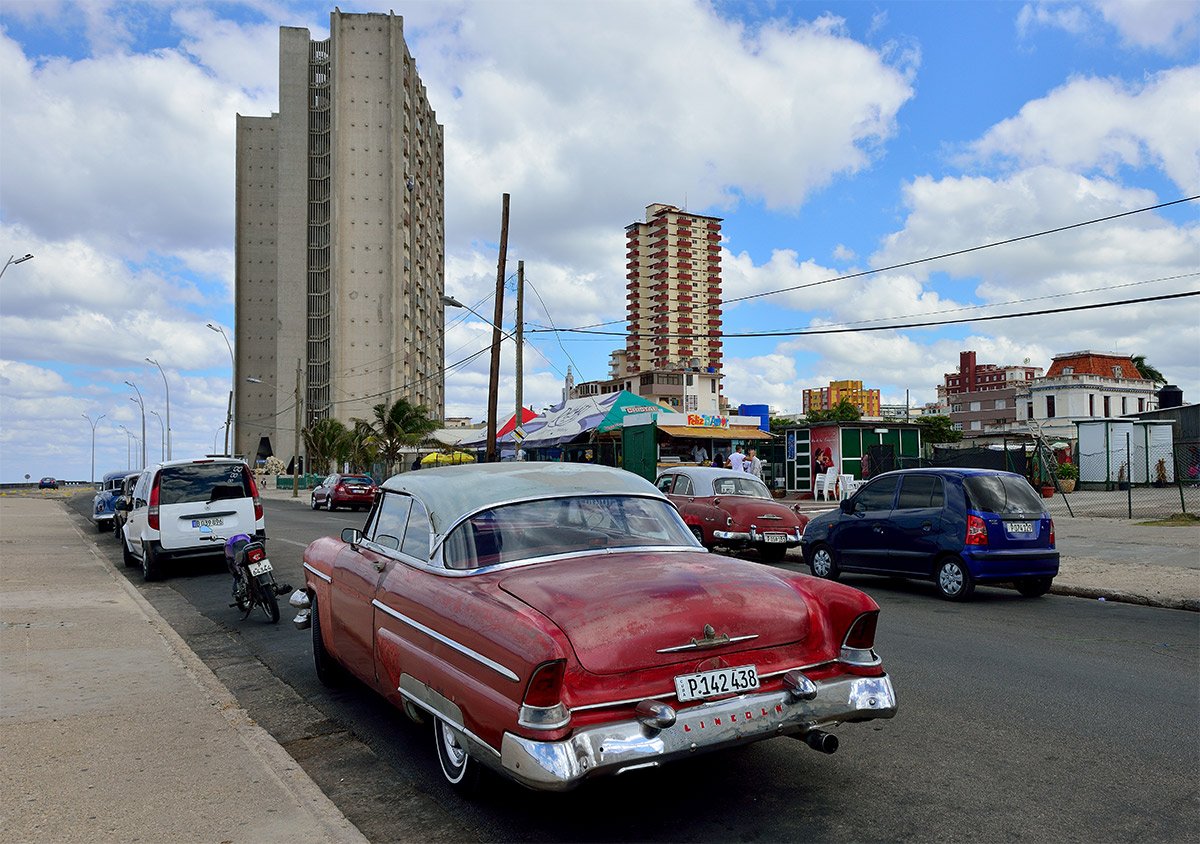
(1002, 494)
(203, 482)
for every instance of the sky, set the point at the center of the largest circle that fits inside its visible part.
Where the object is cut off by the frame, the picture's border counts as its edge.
(833, 139)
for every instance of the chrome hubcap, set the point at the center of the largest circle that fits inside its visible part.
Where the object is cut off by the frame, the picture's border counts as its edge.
(821, 563)
(951, 579)
(455, 754)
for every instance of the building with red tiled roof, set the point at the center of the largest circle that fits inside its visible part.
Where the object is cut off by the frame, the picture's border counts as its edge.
(1084, 385)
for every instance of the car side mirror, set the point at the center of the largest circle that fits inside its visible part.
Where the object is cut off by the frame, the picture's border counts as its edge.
(121, 505)
(351, 536)
(847, 505)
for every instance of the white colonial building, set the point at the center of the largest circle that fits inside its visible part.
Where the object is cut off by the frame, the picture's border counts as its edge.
(1081, 386)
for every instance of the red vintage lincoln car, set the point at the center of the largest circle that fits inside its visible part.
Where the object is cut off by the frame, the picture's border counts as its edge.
(556, 622)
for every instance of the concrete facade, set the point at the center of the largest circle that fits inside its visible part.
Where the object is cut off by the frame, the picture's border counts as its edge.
(674, 291)
(340, 247)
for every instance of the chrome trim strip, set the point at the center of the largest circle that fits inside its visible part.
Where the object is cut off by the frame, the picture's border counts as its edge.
(409, 696)
(694, 646)
(319, 574)
(446, 640)
(609, 703)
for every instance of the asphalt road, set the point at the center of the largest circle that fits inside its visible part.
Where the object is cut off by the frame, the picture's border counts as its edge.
(1049, 719)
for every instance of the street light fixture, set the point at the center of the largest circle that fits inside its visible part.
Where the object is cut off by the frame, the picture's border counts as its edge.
(142, 405)
(167, 388)
(13, 259)
(129, 438)
(232, 375)
(93, 424)
(162, 436)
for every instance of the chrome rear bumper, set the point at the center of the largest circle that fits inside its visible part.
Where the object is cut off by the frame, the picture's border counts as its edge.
(626, 745)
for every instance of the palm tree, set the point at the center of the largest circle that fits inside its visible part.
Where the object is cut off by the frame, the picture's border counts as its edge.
(396, 426)
(1147, 371)
(362, 451)
(327, 441)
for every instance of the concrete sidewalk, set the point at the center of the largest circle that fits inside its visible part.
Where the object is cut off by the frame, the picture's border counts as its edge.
(111, 729)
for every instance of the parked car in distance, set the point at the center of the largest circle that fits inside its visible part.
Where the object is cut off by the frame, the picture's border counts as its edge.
(123, 504)
(354, 491)
(733, 509)
(106, 497)
(558, 621)
(956, 527)
(48, 483)
(172, 501)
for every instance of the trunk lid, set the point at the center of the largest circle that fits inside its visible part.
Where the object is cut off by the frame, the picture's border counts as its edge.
(619, 610)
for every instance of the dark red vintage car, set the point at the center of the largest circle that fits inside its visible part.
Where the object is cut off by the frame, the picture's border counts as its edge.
(557, 622)
(733, 509)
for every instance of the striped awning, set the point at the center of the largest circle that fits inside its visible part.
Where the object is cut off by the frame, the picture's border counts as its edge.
(733, 432)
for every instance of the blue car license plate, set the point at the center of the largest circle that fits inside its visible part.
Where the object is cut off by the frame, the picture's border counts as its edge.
(214, 522)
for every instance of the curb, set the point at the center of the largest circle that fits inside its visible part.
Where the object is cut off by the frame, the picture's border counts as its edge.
(1186, 604)
(285, 770)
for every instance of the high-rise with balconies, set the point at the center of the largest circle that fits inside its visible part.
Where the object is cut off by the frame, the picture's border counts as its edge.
(674, 292)
(339, 236)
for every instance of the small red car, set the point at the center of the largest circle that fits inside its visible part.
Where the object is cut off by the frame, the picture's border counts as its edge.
(733, 509)
(354, 491)
(557, 622)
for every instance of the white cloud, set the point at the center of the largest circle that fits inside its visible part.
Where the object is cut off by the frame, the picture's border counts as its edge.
(1167, 26)
(1101, 124)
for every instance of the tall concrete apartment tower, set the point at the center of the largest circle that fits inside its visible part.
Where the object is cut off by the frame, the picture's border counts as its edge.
(674, 311)
(340, 236)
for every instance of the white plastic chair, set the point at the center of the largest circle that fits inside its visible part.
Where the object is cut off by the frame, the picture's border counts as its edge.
(847, 485)
(828, 484)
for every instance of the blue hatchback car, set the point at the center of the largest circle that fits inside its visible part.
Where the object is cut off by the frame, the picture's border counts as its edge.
(106, 497)
(956, 527)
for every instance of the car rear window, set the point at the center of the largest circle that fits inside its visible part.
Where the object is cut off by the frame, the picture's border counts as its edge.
(749, 486)
(1002, 494)
(357, 481)
(203, 482)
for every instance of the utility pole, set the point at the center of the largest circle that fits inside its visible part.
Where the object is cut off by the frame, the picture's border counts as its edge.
(494, 375)
(296, 442)
(519, 335)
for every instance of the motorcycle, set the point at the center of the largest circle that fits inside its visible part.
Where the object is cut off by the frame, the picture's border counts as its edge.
(253, 581)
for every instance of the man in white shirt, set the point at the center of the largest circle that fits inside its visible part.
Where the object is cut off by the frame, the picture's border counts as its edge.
(737, 460)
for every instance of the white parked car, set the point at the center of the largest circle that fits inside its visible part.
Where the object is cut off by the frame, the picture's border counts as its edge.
(172, 501)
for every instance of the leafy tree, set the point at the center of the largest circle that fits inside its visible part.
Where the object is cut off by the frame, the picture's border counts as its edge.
(843, 411)
(361, 451)
(396, 426)
(1147, 371)
(938, 429)
(327, 442)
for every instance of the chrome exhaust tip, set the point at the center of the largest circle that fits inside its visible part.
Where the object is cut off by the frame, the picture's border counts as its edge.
(300, 600)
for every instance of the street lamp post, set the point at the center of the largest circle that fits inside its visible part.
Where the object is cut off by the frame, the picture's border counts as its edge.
(162, 436)
(13, 259)
(129, 438)
(232, 375)
(141, 405)
(93, 424)
(167, 388)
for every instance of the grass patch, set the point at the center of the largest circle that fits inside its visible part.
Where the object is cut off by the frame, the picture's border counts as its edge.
(1177, 520)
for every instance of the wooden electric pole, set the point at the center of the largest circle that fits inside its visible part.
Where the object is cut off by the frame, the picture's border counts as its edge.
(494, 375)
(519, 335)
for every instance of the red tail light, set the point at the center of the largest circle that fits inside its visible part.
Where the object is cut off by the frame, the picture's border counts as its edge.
(152, 511)
(545, 686)
(256, 555)
(1052, 545)
(861, 635)
(340, 488)
(258, 508)
(976, 531)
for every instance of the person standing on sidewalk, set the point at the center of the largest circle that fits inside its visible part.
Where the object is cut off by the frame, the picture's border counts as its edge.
(753, 464)
(737, 460)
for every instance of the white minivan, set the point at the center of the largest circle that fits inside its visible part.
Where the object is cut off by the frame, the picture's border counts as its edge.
(172, 501)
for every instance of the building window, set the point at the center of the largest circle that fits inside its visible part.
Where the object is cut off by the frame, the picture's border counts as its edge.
(689, 379)
(1141, 405)
(1068, 370)
(1091, 404)
(1124, 405)
(1107, 407)
(1001, 404)
(1028, 410)
(975, 405)
(956, 408)
(976, 425)
(712, 386)
(1049, 407)
(1117, 372)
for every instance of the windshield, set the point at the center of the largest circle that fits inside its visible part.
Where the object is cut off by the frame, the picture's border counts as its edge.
(748, 486)
(563, 526)
(1002, 494)
(203, 482)
(357, 480)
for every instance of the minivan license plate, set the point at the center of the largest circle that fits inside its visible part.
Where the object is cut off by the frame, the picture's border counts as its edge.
(723, 681)
(196, 523)
(1020, 527)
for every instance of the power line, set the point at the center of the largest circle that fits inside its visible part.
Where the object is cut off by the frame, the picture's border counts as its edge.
(902, 265)
(986, 318)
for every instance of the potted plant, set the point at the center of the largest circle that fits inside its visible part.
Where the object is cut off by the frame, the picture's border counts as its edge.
(1068, 474)
(1160, 473)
